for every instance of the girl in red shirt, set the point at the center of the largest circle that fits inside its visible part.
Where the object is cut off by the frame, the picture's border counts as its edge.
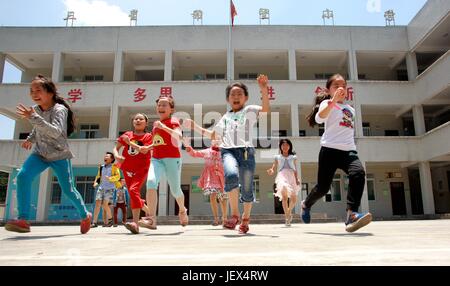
(135, 162)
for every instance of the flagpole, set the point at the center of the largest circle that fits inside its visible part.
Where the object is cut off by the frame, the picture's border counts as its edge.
(229, 53)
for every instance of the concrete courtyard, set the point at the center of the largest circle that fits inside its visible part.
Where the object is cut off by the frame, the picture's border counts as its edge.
(408, 242)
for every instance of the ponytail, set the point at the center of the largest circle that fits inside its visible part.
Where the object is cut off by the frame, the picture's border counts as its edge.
(50, 87)
(311, 118)
(70, 116)
(321, 96)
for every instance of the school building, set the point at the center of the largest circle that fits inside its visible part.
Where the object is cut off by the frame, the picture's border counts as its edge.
(398, 80)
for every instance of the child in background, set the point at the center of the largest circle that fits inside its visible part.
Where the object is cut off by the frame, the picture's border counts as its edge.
(287, 181)
(107, 180)
(121, 199)
(211, 180)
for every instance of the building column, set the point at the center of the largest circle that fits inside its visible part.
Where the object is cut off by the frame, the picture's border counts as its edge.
(44, 196)
(292, 65)
(230, 65)
(358, 121)
(168, 65)
(294, 120)
(365, 196)
(113, 121)
(419, 120)
(411, 66)
(2, 66)
(162, 199)
(426, 186)
(352, 65)
(58, 67)
(118, 67)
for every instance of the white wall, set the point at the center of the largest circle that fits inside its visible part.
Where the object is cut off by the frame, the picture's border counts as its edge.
(425, 20)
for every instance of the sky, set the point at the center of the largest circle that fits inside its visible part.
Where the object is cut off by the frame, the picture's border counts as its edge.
(50, 13)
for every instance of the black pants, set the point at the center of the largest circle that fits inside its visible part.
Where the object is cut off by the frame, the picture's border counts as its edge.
(329, 161)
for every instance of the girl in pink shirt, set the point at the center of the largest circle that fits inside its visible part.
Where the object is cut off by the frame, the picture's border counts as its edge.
(211, 180)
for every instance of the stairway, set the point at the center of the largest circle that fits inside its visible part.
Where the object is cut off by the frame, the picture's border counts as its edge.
(254, 219)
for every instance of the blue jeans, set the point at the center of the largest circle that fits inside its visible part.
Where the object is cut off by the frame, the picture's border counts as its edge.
(171, 168)
(35, 165)
(239, 170)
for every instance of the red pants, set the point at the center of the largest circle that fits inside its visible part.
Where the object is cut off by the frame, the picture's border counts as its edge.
(134, 181)
(123, 207)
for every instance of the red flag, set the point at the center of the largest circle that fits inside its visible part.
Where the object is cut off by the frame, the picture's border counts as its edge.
(233, 12)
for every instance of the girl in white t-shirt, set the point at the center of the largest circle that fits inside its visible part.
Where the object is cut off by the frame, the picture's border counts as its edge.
(287, 181)
(238, 154)
(338, 151)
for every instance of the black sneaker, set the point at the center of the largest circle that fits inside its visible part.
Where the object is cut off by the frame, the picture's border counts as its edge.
(357, 220)
(94, 225)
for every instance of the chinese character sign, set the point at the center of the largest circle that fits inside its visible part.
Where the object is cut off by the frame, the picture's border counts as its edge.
(166, 90)
(318, 90)
(350, 92)
(271, 93)
(74, 95)
(139, 95)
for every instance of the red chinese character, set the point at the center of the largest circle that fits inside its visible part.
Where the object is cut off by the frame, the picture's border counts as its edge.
(166, 90)
(349, 93)
(271, 93)
(139, 94)
(74, 95)
(318, 90)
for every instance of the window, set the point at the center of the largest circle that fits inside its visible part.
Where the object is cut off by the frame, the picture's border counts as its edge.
(23, 136)
(83, 185)
(391, 133)
(56, 192)
(3, 187)
(68, 78)
(93, 78)
(88, 131)
(336, 188)
(370, 187)
(85, 188)
(215, 76)
(402, 75)
(248, 76)
(198, 77)
(279, 133)
(366, 129)
(256, 188)
(334, 194)
(302, 133)
(323, 75)
(362, 76)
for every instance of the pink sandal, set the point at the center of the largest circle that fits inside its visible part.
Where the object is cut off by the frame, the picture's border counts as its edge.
(243, 228)
(232, 222)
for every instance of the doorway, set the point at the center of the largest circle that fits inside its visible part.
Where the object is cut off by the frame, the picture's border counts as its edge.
(398, 198)
(186, 190)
